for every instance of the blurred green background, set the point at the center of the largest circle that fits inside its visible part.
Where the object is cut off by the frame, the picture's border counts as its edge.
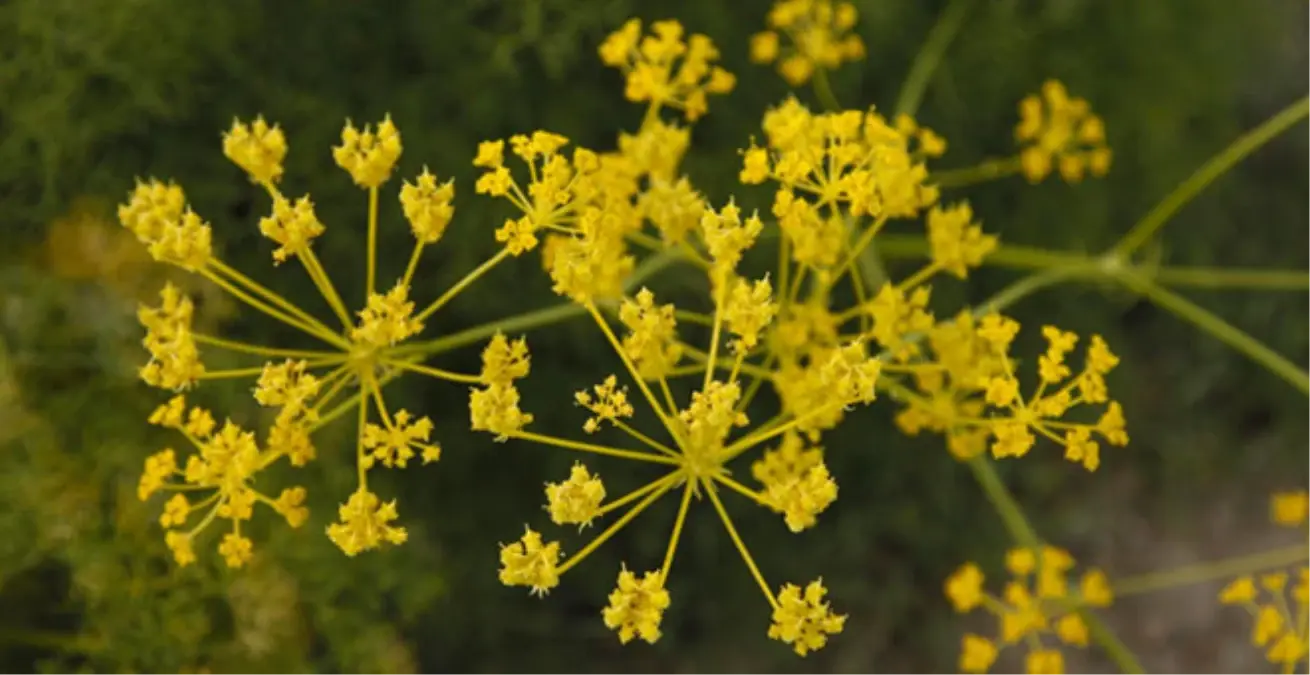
(94, 93)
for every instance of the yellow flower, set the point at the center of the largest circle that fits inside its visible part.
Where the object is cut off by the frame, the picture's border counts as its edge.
(257, 148)
(801, 496)
(1055, 129)
(664, 69)
(495, 409)
(1238, 591)
(1269, 624)
(393, 445)
(803, 620)
(636, 607)
(897, 316)
(819, 32)
(652, 341)
(964, 588)
(387, 319)
(291, 226)
(1072, 630)
(1044, 662)
(179, 544)
(1290, 508)
(368, 155)
(159, 467)
(175, 511)
(1095, 589)
(977, 654)
(577, 500)
(365, 524)
(727, 236)
(235, 549)
(957, 243)
(748, 309)
(529, 562)
(427, 206)
(287, 385)
(504, 361)
(290, 504)
(152, 208)
(174, 359)
(610, 403)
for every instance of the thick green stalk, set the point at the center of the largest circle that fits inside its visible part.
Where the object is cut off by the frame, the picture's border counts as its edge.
(930, 56)
(1216, 327)
(1208, 173)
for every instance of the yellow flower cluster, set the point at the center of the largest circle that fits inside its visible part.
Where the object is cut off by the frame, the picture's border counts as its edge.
(1277, 630)
(1280, 618)
(818, 34)
(666, 70)
(223, 465)
(308, 387)
(967, 389)
(1036, 602)
(1060, 131)
(838, 178)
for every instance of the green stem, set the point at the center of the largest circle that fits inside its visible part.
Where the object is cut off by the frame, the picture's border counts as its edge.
(1219, 278)
(1006, 255)
(1216, 327)
(930, 56)
(533, 319)
(988, 169)
(823, 90)
(1031, 284)
(1210, 571)
(468, 336)
(1211, 170)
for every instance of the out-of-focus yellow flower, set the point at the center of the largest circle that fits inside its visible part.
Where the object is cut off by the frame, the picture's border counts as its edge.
(1059, 131)
(818, 36)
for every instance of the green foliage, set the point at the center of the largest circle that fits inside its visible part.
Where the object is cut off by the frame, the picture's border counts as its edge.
(96, 92)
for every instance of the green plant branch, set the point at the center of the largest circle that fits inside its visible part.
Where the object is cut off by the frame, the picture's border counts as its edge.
(536, 318)
(823, 90)
(1218, 278)
(1216, 327)
(988, 169)
(930, 56)
(1211, 170)
(1210, 571)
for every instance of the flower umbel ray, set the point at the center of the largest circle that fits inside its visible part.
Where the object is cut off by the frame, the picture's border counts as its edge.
(300, 384)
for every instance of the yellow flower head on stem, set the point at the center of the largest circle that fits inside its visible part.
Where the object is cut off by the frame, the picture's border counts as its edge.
(803, 619)
(819, 36)
(257, 148)
(427, 206)
(365, 523)
(393, 445)
(387, 319)
(174, 358)
(1059, 131)
(652, 341)
(577, 500)
(608, 403)
(368, 155)
(637, 606)
(530, 562)
(666, 68)
(293, 226)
